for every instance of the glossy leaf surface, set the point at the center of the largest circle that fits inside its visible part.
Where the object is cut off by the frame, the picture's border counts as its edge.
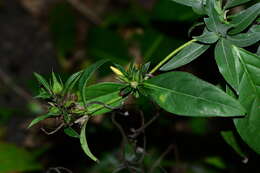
(226, 63)
(245, 39)
(244, 18)
(233, 3)
(185, 56)
(248, 127)
(184, 94)
(207, 37)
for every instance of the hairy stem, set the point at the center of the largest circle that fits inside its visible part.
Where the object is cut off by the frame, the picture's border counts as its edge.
(168, 57)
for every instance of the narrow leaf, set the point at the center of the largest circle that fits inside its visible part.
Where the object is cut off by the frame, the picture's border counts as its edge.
(185, 56)
(71, 81)
(43, 82)
(233, 3)
(226, 63)
(231, 140)
(71, 132)
(84, 143)
(87, 73)
(249, 96)
(244, 18)
(184, 94)
(40, 118)
(245, 39)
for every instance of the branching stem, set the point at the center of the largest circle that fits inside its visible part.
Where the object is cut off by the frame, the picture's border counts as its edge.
(168, 57)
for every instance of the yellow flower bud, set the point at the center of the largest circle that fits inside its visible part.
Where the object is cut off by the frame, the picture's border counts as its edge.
(116, 71)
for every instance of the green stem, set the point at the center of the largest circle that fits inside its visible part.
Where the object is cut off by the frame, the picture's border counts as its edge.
(171, 55)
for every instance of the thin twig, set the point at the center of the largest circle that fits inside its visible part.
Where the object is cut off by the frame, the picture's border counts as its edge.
(54, 131)
(122, 132)
(158, 161)
(141, 129)
(8, 81)
(103, 104)
(57, 169)
(85, 11)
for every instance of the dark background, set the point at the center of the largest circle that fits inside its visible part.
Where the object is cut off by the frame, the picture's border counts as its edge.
(65, 36)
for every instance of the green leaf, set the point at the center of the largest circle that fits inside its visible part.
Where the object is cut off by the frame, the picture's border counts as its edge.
(244, 18)
(40, 118)
(207, 37)
(43, 82)
(258, 51)
(190, 3)
(215, 21)
(249, 96)
(107, 93)
(71, 81)
(103, 43)
(71, 132)
(185, 56)
(87, 73)
(233, 3)
(17, 159)
(56, 85)
(226, 63)
(184, 94)
(165, 10)
(245, 39)
(63, 27)
(231, 140)
(84, 143)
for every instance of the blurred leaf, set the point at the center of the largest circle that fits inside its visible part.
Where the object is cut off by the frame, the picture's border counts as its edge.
(63, 28)
(226, 62)
(199, 126)
(155, 46)
(184, 94)
(185, 56)
(107, 44)
(233, 3)
(249, 96)
(216, 162)
(5, 114)
(16, 159)
(86, 75)
(244, 18)
(231, 140)
(84, 143)
(165, 10)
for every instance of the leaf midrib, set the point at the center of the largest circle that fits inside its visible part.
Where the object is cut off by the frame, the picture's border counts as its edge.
(174, 91)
